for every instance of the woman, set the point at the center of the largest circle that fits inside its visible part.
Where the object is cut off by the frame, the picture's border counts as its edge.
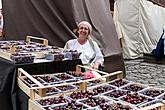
(89, 49)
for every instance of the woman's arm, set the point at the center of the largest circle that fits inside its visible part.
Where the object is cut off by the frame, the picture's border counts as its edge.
(99, 59)
(66, 46)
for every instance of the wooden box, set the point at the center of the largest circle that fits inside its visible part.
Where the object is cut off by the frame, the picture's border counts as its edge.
(12, 47)
(42, 87)
(33, 105)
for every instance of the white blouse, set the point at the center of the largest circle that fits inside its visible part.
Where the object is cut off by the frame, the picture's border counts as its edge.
(87, 52)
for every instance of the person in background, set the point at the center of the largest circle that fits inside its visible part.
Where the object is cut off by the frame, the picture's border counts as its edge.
(90, 52)
(1, 23)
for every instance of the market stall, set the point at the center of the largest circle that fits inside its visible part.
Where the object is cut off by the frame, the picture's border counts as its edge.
(8, 87)
(11, 96)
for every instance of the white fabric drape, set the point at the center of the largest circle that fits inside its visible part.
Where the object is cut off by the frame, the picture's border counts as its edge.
(139, 24)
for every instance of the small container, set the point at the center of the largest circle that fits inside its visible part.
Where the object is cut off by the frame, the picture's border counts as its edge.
(152, 92)
(151, 103)
(30, 83)
(53, 101)
(119, 82)
(67, 88)
(64, 77)
(101, 88)
(68, 55)
(134, 87)
(68, 106)
(135, 99)
(51, 91)
(94, 101)
(21, 58)
(80, 95)
(54, 56)
(119, 105)
(77, 76)
(50, 79)
(95, 82)
(115, 94)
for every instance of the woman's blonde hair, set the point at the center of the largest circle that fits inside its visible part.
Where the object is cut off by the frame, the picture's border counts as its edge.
(87, 24)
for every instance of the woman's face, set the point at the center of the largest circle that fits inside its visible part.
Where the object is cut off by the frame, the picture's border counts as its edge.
(83, 30)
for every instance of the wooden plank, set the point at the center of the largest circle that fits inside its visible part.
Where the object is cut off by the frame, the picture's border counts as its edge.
(32, 94)
(30, 77)
(23, 87)
(153, 106)
(42, 92)
(40, 55)
(120, 76)
(34, 106)
(5, 55)
(89, 68)
(78, 69)
(45, 41)
(83, 86)
(12, 49)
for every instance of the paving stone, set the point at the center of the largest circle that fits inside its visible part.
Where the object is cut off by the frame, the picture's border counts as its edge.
(161, 81)
(153, 82)
(146, 64)
(145, 73)
(135, 71)
(143, 82)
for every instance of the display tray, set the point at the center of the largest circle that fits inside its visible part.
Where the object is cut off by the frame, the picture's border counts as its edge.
(116, 94)
(38, 50)
(95, 101)
(101, 88)
(134, 87)
(119, 82)
(153, 92)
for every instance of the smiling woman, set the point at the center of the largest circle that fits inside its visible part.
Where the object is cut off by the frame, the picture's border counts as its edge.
(89, 49)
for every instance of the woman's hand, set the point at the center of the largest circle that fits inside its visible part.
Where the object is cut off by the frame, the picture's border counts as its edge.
(96, 65)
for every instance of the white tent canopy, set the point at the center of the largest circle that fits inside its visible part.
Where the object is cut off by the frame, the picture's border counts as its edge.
(139, 24)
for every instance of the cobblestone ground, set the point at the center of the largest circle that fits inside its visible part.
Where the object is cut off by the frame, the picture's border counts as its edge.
(145, 73)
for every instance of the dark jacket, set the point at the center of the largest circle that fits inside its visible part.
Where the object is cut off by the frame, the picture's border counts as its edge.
(159, 51)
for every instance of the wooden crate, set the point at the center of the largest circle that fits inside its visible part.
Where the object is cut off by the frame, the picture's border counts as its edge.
(83, 86)
(30, 38)
(7, 54)
(42, 89)
(44, 42)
